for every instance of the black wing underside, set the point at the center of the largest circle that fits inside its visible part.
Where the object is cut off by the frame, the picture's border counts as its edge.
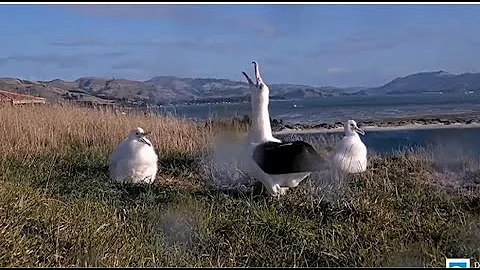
(287, 157)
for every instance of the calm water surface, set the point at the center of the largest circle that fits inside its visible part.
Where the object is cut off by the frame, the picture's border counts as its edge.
(339, 109)
(453, 142)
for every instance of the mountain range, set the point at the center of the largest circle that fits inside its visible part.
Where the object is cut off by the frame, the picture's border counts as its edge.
(170, 89)
(426, 82)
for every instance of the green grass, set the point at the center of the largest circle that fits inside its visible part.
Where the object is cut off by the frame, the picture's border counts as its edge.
(59, 209)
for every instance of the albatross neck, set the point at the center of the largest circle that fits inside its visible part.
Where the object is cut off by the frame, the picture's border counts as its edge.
(261, 128)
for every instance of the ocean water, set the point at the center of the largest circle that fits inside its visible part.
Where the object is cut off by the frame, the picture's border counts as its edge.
(339, 109)
(451, 143)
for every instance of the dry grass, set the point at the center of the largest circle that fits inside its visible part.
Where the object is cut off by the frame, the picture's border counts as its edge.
(32, 130)
(57, 207)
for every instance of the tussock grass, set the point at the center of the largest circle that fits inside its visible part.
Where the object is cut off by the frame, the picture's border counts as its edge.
(35, 129)
(57, 207)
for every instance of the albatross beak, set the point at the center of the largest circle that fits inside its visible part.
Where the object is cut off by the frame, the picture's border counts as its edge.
(256, 69)
(143, 140)
(359, 131)
(250, 82)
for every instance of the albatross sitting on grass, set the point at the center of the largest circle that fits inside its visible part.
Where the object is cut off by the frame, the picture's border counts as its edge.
(351, 153)
(134, 160)
(278, 165)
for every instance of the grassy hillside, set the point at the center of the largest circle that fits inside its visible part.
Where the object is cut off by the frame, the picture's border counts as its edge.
(158, 90)
(428, 82)
(57, 207)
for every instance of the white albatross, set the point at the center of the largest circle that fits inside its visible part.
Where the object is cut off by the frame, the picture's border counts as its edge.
(134, 160)
(278, 165)
(351, 153)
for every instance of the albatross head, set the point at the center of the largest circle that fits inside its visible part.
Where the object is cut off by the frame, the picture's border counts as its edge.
(258, 88)
(261, 129)
(139, 134)
(351, 128)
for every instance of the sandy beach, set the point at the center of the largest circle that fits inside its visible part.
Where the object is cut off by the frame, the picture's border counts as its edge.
(378, 128)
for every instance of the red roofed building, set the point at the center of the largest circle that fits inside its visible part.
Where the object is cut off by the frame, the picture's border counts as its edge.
(16, 98)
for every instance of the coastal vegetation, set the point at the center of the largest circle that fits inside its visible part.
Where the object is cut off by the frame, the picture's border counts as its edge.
(58, 207)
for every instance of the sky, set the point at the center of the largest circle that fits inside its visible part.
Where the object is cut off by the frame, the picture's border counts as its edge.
(320, 45)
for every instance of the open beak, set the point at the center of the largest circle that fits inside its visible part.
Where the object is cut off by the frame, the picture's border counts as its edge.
(257, 73)
(145, 141)
(359, 131)
(250, 82)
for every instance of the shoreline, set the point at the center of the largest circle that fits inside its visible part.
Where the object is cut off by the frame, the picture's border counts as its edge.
(367, 128)
(411, 122)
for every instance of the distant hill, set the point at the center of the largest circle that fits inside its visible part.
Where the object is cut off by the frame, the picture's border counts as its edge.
(157, 90)
(428, 82)
(173, 90)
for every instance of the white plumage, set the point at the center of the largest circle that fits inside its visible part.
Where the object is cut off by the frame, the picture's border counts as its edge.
(134, 160)
(351, 153)
(260, 138)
